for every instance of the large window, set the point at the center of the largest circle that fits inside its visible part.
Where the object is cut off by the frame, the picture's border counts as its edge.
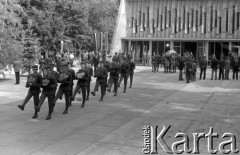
(177, 47)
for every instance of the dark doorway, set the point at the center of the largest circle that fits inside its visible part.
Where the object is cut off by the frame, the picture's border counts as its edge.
(190, 47)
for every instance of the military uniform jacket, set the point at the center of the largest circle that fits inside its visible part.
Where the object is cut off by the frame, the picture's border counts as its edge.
(84, 79)
(65, 84)
(114, 70)
(73, 75)
(203, 64)
(50, 88)
(35, 87)
(125, 68)
(188, 66)
(132, 67)
(101, 74)
(180, 65)
(214, 64)
(90, 73)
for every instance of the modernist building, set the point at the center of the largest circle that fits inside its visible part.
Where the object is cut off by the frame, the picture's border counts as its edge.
(199, 26)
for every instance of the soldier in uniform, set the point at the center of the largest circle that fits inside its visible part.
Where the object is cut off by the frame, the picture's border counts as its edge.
(72, 83)
(65, 79)
(154, 62)
(90, 74)
(194, 70)
(83, 78)
(214, 67)
(56, 76)
(221, 69)
(114, 76)
(100, 74)
(203, 68)
(34, 82)
(106, 64)
(180, 67)
(49, 85)
(131, 71)
(227, 67)
(124, 74)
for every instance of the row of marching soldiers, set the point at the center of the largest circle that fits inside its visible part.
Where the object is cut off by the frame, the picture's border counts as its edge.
(50, 80)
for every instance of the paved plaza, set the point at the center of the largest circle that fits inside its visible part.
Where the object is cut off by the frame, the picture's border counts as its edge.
(114, 126)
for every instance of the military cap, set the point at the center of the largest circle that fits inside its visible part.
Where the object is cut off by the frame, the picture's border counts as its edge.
(35, 67)
(51, 65)
(83, 62)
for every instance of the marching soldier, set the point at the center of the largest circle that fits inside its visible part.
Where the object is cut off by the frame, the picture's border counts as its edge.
(124, 74)
(72, 83)
(100, 74)
(83, 78)
(65, 79)
(34, 82)
(90, 74)
(131, 71)
(56, 76)
(106, 64)
(114, 76)
(49, 85)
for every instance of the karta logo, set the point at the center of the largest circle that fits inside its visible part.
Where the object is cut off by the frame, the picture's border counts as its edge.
(153, 139)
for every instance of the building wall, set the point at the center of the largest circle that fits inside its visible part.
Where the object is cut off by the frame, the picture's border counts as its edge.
(197, 19)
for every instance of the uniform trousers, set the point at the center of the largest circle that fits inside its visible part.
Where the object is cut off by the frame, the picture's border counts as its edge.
(131, 78)
(50, 101)
(29, 96)
(114, 80)
(59, 94)
(125, 77)
(83, 88)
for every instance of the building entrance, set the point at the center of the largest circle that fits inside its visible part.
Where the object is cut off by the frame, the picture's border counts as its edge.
(190, 47)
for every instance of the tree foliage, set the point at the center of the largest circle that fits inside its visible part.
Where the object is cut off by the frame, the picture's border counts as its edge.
(48, 22)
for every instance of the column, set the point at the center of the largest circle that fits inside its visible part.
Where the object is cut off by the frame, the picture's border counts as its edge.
(230, 46)
(206, 50)
(150, 51)
(129, 45)
(171, 45)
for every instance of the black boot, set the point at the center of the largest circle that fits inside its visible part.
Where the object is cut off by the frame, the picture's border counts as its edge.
(48, 116)
(65, 111)
(101, 99)
(21, 107)
(115, 94)
(87, 98)
(35, 115)
(93, 93)
(83, 105)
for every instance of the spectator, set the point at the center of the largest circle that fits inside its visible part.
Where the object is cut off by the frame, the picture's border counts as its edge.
(17, 67)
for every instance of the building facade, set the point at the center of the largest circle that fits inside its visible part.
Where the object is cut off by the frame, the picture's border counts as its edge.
(201, 27)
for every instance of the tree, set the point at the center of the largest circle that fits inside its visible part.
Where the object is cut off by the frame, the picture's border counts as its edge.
(11, 29)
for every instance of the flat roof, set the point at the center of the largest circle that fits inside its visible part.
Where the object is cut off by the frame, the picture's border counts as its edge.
(179, 39)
